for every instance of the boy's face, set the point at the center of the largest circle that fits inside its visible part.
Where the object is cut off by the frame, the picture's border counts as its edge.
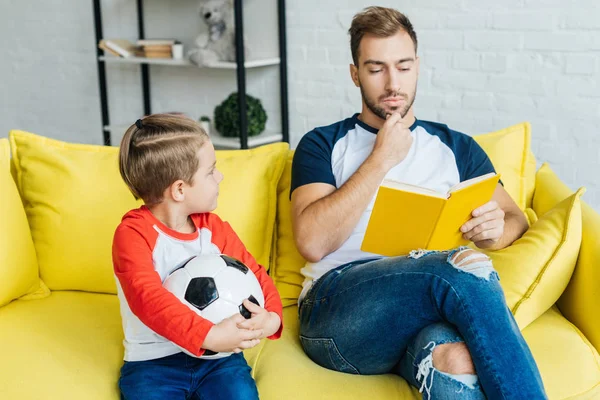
(202, 195)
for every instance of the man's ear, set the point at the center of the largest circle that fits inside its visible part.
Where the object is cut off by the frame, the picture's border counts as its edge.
(354, 75)
(177, 190)
(417, 63)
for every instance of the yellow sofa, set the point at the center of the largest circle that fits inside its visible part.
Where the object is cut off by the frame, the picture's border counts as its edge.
(60, 329)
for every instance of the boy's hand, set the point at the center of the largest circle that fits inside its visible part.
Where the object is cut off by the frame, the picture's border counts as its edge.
(228, 337)
(267, 322)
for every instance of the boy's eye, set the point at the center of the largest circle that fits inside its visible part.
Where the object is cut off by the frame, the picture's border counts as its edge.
(375, 71)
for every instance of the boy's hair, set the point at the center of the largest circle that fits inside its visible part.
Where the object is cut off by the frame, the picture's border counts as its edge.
(158, 150)
(381, 22)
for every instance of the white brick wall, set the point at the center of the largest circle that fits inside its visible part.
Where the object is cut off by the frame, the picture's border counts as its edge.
(485, 65)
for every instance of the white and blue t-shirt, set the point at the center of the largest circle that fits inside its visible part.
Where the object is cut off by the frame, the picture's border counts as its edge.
(438, 159)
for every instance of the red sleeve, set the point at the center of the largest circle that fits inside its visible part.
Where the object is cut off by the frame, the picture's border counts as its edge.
(230, 244)
(154, 305)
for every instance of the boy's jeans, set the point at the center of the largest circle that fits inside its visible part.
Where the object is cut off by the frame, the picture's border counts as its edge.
(387, 315)
(180, 377)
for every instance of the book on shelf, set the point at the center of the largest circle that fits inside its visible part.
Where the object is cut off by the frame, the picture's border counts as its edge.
(156, 42)
(121, 47)
(407, 217)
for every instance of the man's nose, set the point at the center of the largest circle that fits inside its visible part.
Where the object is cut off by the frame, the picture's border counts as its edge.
(393, 81)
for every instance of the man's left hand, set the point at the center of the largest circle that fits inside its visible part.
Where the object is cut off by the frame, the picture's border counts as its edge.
(486, 227)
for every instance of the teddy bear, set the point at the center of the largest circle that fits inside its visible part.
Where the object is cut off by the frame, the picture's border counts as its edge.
(218, 44)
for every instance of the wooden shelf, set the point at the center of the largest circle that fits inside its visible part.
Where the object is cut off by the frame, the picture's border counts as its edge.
(254, 141)
(187, 63)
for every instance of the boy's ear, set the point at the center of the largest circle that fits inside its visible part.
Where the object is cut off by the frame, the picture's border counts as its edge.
(176, 190)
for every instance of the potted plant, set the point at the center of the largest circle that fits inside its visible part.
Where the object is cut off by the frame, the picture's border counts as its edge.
(227, 116)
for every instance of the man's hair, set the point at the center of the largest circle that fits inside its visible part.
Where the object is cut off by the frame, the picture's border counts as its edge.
(379, 21)
(157, 151)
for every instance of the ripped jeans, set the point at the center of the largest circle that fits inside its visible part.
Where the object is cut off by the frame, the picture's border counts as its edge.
(387, 315)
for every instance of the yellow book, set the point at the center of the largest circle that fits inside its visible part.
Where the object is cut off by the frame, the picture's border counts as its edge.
(407, 217)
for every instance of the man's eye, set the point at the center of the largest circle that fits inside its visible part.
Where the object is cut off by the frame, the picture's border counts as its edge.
(375, 71)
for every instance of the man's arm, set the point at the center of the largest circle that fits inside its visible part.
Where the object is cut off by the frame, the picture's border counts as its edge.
(496, 224)
(323, 217)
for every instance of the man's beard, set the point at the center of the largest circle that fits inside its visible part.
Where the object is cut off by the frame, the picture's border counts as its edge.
(380, 112)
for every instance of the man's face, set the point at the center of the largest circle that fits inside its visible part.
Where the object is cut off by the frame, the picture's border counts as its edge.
(387, 73)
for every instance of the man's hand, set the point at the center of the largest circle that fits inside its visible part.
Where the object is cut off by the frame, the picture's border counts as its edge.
(393, 141)
(228, 337)
(486, 227)
(267, 322)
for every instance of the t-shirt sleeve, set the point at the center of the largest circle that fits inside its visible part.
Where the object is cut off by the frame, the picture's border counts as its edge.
(155, 306)
(472, 159)
(312, 161)
(230, 244)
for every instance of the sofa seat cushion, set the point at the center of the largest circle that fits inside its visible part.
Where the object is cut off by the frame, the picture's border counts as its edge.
(65, 346)
(569, 366)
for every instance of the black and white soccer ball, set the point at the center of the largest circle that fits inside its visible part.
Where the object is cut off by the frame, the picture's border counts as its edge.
(214, 286)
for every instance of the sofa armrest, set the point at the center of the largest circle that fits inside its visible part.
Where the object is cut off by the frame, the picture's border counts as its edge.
(580, 301)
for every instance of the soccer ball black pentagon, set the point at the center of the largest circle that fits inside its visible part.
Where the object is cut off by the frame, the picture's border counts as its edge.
(214, 286)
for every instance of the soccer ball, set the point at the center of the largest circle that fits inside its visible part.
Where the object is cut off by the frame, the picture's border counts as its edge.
(214, 286)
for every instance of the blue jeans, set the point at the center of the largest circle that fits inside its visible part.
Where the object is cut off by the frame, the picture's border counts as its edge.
(180, 377)
(387, 315)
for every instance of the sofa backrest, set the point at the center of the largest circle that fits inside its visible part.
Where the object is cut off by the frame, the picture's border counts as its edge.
(74, 199)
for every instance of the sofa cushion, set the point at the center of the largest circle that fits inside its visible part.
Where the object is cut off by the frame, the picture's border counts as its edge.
(19, 274)
(284, 371)
(509, 150)
(286, 262)
(248, 194)
(569, 365)
(74, 198)
(535, 270)
(66, 346)
(580, 299)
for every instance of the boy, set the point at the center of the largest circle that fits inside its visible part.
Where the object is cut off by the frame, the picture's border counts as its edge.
(169, 162)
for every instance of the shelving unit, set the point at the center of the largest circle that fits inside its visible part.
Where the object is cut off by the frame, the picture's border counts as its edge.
(239, 66)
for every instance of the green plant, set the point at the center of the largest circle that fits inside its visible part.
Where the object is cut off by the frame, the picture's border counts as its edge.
(205, 118)
(227, 116)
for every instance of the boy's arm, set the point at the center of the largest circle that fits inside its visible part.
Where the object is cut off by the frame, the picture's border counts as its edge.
(230, 244)
(154, 305)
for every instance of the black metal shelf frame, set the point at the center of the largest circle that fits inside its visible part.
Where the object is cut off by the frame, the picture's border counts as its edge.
(240, 61)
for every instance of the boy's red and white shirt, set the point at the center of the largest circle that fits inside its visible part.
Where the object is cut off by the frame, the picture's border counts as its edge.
(145, 252)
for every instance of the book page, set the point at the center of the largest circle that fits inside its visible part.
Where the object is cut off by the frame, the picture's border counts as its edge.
(470, 182)
(392, 184)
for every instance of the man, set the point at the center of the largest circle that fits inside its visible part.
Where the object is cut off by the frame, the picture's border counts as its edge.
(439, 319)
